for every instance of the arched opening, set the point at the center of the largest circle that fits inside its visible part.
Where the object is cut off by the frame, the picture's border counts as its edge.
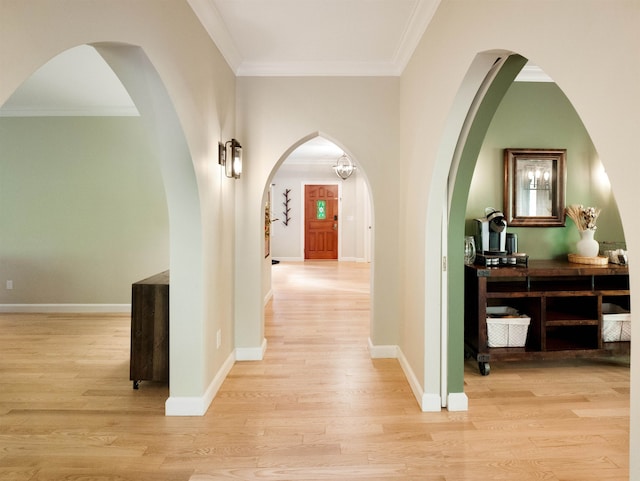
(75, 226)
(496, 78)
(186, 306)
(164, 136)
(497, 104)
(310, 162)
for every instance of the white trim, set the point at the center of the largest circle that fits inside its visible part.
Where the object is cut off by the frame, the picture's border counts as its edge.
(197, 406)
(213, 23)
(300, 259)
(429, 402)
(268, 297)
(317, 69)
(457, 401)
(88, 308)
(417, 25)
(352, 259)
(91, 111)
(483, 70)
(383, 352)
(251, 353)
(444, 305)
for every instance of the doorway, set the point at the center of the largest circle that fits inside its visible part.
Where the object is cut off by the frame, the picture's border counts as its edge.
(321, 221)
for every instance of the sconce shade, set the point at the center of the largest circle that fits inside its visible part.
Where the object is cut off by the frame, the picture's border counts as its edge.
(344, 167)
(230, 156)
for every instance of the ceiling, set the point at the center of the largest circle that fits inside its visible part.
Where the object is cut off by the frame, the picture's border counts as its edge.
(257, 38)
(315, 37)
(77, 82)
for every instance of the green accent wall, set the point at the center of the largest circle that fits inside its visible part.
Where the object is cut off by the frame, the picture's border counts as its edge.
(82, 210)
(539, 115)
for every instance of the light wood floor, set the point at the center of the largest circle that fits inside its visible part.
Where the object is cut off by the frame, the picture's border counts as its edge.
(316, 408)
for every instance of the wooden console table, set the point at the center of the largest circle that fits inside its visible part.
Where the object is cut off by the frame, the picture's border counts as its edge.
(563, 300)
(150, 329)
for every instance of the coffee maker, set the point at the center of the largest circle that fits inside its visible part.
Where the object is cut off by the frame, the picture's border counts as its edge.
(492, 232)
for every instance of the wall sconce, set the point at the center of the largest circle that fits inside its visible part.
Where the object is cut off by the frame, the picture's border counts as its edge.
(230, 155)
(344, 167)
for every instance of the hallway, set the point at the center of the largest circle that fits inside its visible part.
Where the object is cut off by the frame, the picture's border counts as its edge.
(316, 408)
(319, 408)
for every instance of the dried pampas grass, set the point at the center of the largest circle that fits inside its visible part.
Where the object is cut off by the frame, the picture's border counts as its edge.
(583, 217)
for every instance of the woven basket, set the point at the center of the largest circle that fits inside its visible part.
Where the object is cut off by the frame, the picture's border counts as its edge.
(594, 261)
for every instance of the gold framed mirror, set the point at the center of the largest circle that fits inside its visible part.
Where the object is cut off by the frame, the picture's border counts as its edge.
(534, 187)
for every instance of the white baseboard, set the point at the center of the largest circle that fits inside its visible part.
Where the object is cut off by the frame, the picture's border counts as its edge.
(268, 297)
(197, 406)
(70, 308)
(301, 259)
(383, 352)
(429, 402)
(457, 401)
(251, 353)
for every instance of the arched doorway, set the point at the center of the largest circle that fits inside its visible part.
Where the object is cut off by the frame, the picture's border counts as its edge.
(582, 187)
(495, 81)
(142, 81)
(310, 161)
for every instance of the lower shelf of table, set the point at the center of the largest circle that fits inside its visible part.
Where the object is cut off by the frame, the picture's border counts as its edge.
(522, 354)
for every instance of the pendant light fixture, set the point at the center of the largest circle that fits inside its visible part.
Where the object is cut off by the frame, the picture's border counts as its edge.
(344, 167)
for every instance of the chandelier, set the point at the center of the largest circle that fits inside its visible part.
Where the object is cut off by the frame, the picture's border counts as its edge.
(344, 167)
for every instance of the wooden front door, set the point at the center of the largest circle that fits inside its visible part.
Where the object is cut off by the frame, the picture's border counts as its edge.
(321, 222)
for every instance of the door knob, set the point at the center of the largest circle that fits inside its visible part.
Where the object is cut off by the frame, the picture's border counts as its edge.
(335, 226)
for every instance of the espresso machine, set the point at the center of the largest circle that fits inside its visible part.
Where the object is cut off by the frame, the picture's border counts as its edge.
(492, 233)
(495, 246)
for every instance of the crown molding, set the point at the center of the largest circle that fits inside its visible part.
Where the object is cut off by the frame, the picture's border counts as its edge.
(420, 19)
(64, 112)
(213, 23)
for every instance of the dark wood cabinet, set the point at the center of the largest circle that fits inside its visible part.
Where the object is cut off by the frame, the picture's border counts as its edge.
(150, 329)
(563, 300)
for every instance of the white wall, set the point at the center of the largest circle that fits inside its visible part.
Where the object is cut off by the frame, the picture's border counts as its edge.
(358, 114)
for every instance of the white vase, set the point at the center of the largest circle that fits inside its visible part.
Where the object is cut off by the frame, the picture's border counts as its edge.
(587, 246)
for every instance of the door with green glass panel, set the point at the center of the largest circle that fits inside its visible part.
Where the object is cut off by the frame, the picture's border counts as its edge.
(321, 222)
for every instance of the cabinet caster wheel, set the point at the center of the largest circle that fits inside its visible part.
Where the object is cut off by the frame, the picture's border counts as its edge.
(136, 384)
(484, 368)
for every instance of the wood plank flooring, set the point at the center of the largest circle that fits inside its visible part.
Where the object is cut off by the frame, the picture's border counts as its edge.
(316, 408)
